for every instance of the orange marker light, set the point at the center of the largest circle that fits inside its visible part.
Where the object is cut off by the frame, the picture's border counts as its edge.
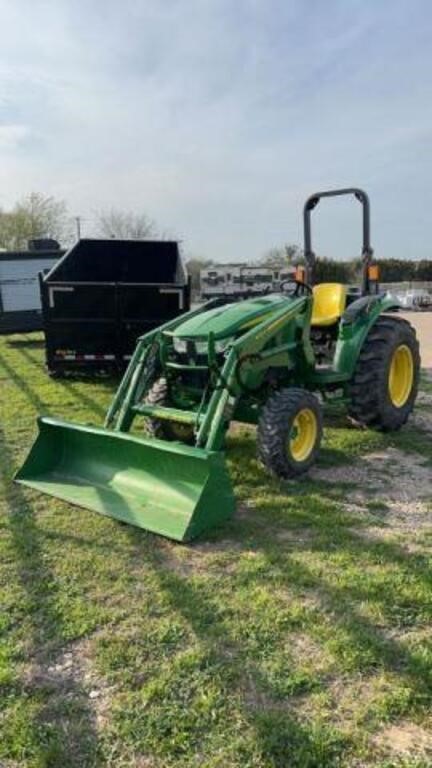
(373, 272)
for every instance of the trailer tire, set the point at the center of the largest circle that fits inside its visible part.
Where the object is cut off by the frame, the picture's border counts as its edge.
(384, 386)
(158, 394)
(54, 373)
(290, 432)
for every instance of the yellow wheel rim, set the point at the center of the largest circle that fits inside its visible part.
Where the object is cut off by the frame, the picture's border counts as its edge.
(303, 435)
(401, 375)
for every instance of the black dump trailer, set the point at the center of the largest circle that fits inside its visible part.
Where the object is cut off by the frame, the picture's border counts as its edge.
(104, 294)
(20, 305)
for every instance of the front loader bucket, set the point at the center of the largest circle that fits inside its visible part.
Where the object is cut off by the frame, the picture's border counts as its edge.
(167, 488)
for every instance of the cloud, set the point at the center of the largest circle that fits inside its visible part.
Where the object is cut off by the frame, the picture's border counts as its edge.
(12, 136)
(218, 118)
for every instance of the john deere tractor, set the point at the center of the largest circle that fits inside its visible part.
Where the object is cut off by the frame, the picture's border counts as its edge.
(272, 361)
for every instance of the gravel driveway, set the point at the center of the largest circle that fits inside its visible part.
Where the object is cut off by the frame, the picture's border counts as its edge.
(422, 322)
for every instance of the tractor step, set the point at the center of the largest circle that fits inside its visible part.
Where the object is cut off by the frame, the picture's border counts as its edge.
(168, 414)
(188, 367)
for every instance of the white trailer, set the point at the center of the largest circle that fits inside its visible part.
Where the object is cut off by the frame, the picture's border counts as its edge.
(20, 304)
(415, 299)
(241, 280)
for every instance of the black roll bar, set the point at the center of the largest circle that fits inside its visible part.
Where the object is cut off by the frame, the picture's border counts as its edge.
(367, 250)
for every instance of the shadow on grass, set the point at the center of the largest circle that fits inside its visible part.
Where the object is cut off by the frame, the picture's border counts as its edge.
(332, 457)
(61, 701)
(34, 398)
(27, 390)
(337, 607)
(89, 376)
(26, 343)
(81, 397)
(278, 732)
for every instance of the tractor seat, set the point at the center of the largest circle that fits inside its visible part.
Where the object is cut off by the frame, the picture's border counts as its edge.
(328, 303)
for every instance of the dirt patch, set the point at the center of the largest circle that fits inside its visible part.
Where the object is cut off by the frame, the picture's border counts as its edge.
(69, 676)
(423, 398)
(342, 702)
(422, 419)
(301, 650)
(295, 537)
(422, 322)
(410, 638)
(397, 486)
(304, 650)
(351, 698)
(219, 557)
(405, 738)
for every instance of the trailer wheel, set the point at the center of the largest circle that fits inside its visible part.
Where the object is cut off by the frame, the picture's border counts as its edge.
(158, 394)
(290, 432)
(384, 386)
(55, 373)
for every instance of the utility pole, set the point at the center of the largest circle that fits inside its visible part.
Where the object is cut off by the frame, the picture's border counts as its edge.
(78, 226)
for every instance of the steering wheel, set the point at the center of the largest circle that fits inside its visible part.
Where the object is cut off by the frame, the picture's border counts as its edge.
(297, 288)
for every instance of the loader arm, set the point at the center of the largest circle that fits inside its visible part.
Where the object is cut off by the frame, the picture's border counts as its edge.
(117, 413)
(276, 341)
(251, 355)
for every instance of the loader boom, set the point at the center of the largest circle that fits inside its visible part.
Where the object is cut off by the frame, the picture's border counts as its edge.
(248, 354)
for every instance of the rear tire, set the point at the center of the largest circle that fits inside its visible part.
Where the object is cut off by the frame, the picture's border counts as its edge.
(158, 394)
(384, 386)
(290, 432)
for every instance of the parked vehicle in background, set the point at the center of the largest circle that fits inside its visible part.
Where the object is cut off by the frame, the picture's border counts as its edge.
(103, 295)
(239, 280)
(20, 304)
(415, 299)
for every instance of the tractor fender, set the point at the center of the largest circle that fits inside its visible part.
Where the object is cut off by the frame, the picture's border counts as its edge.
(355, 325)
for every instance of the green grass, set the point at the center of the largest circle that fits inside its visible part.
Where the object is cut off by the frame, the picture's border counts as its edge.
(290, 638)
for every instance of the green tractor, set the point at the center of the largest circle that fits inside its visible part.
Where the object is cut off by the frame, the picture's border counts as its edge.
(272, 361)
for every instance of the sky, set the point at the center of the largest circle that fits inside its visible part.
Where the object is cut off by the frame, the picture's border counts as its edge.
(217, 118)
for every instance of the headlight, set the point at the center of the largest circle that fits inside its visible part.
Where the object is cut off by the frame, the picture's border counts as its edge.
(200, 347)
(223, 344)
(180, 345)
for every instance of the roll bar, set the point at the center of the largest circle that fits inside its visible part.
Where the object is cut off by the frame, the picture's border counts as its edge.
(367, 250)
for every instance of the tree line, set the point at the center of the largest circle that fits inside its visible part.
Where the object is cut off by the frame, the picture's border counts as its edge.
(39, 216)
(390, 270)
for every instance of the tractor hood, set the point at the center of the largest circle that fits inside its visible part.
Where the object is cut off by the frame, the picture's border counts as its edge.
(228, 319)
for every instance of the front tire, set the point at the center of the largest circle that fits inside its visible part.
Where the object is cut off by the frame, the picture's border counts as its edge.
(384, 386)
(158, 394)
(290, 432)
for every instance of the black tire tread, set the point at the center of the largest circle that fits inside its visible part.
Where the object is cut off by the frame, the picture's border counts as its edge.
(370, 404)
(158, 394)
(273, 430)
